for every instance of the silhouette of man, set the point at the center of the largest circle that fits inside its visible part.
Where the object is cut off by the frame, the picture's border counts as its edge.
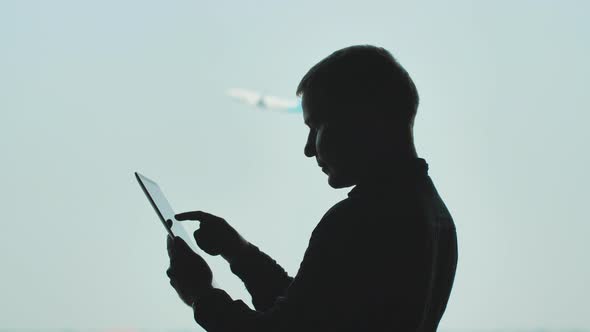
(383, 259)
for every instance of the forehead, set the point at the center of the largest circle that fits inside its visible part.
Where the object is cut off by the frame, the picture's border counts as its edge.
(307, 112)
(312, 108)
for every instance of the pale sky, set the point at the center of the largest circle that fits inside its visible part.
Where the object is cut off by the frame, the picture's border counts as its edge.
(92, 91)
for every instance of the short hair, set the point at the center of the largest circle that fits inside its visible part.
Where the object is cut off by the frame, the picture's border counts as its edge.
(366, 77)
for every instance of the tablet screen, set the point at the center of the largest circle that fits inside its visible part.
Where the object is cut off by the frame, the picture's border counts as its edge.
(157, 199)
(164, 210)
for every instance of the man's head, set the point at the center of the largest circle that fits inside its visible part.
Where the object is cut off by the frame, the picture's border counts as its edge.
(360, 105)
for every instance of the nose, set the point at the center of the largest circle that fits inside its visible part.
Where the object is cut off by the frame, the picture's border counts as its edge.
(309, 149)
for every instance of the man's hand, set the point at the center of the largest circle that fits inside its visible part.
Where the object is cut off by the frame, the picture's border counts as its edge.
(215, 236)
(189, 273)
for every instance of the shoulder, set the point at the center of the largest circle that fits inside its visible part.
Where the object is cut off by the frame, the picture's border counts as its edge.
(341, 209)
(386, 212)
(338, 217)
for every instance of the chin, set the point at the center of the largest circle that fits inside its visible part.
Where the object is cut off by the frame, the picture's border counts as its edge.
(338, 182)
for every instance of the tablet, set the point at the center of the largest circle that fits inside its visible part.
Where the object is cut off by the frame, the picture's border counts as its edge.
(157, 199)
(164, 211)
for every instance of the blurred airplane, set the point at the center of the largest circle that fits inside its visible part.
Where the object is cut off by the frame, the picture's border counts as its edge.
(262, 101)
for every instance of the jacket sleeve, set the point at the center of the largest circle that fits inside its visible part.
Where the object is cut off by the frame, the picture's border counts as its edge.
(264, 279)
(339, 287)
(317, 299)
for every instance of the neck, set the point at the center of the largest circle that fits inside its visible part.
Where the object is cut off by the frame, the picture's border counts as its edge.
(403, 148)
(392, 167)
(397, 159)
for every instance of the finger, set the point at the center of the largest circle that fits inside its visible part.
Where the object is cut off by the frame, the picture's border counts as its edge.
(197, 235)
(204, 243)
(195, 215)
(169, 223)
(201, 242)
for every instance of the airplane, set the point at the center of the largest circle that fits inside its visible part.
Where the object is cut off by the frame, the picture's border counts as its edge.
(262, 101)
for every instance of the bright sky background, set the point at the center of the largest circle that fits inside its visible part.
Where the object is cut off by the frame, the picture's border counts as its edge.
(92, 91)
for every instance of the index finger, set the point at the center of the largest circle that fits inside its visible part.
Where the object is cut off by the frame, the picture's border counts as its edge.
(194, 215)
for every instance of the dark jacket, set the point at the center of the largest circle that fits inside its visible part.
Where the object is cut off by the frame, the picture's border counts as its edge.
(383, 259)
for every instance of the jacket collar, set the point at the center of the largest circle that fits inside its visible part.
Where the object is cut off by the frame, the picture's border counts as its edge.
(399, 174)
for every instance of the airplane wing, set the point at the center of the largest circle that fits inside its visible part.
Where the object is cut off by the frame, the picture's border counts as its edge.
(273, 102)
(259, 100)
(247, 96)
